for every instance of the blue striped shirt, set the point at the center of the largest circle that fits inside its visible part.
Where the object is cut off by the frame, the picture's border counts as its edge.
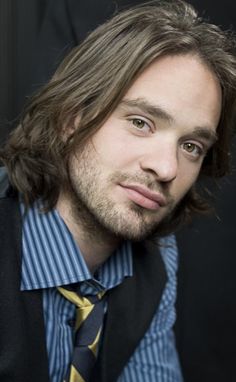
(52, 258)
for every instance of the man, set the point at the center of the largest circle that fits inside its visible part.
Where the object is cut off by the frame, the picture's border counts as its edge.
(102, 169)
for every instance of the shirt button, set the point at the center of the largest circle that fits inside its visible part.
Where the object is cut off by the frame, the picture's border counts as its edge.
(71, 323)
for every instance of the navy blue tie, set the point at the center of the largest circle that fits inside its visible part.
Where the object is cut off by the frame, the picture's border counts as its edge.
(88, 327)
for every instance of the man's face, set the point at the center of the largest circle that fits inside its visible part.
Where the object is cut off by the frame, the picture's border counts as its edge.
(149, 152)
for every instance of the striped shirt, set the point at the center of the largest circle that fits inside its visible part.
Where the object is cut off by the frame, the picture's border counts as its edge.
(52, 258)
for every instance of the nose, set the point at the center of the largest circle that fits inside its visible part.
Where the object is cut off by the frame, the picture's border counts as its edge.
(162, 160)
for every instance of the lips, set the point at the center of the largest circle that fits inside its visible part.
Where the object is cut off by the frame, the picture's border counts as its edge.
(144, 197)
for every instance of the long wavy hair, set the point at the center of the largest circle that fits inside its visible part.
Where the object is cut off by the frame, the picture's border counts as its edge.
(93, 79)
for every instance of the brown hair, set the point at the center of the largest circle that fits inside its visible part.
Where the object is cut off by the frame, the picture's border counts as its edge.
(93, 79)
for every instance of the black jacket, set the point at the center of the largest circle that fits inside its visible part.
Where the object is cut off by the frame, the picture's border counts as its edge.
(131, 306)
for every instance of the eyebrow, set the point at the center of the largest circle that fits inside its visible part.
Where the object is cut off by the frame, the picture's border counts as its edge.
(146, 107)
(158, 112)
(205, 133)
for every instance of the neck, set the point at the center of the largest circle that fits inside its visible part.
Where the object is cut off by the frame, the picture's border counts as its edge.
(95, 242)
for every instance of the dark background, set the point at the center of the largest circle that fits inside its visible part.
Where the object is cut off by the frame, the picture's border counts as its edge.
(34, 36)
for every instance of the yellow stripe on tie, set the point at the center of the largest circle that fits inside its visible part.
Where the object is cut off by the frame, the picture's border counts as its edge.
(82, 314)
(82, 304)
(74, 298)
(94, 346)
(75, 375)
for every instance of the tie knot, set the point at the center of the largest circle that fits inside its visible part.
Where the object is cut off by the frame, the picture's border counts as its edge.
(76, 298)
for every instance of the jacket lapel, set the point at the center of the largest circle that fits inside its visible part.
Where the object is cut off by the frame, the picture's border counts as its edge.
(23, 355)
(131, 307)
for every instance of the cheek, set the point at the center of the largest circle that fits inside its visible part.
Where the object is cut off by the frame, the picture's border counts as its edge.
(113, 152)
(186, 178)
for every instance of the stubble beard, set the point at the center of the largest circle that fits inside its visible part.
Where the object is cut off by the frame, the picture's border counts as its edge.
(100, 216)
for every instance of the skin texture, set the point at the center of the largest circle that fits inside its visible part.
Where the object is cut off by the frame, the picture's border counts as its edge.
(144, 158)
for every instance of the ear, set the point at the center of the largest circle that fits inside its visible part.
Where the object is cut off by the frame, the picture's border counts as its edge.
(69, 128)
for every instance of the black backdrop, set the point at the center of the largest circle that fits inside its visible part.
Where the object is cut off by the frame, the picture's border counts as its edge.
(34, 35)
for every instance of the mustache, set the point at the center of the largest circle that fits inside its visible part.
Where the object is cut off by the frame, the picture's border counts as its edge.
(143, 180)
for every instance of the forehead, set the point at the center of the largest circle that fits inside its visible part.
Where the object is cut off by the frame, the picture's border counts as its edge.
(184, 86)
(175, 68)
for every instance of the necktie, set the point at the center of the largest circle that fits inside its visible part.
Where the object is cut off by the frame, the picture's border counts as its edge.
(89, 318)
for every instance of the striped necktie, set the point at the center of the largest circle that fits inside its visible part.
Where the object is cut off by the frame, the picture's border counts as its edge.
(88, 326)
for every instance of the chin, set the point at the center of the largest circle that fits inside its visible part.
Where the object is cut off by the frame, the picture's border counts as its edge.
(132, 233)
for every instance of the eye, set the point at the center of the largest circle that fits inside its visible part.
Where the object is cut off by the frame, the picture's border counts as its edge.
(193, 149)
(141, 125)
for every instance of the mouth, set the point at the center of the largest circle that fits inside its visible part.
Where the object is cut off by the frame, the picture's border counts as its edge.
(144, 197)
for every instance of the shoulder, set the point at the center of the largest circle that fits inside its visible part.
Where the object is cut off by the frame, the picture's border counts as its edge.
(4, 182)
(10, 216)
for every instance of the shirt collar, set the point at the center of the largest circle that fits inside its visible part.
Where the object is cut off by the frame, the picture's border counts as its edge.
(51, 256)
